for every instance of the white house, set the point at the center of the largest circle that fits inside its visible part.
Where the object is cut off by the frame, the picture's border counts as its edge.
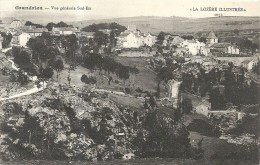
(205, 50)
(193, 46)
(174, 88)
(176, 40)
(10, 22)
(16, 23)
(32, 30)
(130, 40)
(149, 40)
(64, 30)
(249, 64)
(23, 39)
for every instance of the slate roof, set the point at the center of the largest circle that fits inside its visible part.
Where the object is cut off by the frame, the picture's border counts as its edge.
(32, 29)
(88, 33)
(221, 45)
(212, 36)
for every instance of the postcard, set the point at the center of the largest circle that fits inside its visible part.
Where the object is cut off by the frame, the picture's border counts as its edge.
(129, 82)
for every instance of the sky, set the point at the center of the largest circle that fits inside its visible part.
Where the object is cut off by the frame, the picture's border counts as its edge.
(101, 9)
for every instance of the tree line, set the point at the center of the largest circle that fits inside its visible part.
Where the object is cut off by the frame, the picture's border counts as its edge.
(49, 26)
(96, 27)
(109, 65)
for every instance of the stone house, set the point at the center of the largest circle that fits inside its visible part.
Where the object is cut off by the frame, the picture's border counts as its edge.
(64, 30)
(212, 39)
(226, 48)
(193, 46)
(132, 38)
(249, 64)
(33, 31)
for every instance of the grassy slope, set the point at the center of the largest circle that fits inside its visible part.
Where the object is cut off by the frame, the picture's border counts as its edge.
(180, 24)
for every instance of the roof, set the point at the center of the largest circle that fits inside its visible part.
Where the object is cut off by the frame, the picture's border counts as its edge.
(124, 34)
(64, 29)
(191, 41)
(88, 33)
(221, 45)
(212, 35)
(246, 62)
(32, 29)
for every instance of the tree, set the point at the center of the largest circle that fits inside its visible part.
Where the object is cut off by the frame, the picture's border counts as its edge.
(88, 80)
(160, 38)
(72, 46)
(203, 39)
(113, 26)
(165, 74)
(186, 105)
(134, 71)
(50, 25)
(45, 74)
(100, 38)
(163, 137)
(58, 66)
(29, 23)
(217, 100)
(187, 37)
(124, 73)
(7, 39)
(63, 24)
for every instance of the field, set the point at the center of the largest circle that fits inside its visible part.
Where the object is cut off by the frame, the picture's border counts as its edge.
(145, 79)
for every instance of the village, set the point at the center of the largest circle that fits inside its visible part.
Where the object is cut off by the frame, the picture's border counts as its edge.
(104, 91)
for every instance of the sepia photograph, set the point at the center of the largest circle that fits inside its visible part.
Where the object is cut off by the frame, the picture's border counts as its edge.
(129, 82)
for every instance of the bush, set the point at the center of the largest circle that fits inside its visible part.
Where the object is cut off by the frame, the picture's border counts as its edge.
(203, 127)
(127, 91)
(116, 81)
(88, 80)
(139, 90)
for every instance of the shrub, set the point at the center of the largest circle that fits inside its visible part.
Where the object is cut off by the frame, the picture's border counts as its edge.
(88, 80)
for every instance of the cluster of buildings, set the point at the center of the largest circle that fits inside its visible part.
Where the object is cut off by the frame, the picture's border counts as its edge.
(21, 34)
(133, 38)
(195, 47)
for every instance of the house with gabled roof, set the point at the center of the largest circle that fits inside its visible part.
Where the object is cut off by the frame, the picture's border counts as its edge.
(212, 39)
(193, 46)
(64, 30)
(11, 22)
(135, 39)
(224, 47)
(249, 64)
(20, 39)
(33, 31)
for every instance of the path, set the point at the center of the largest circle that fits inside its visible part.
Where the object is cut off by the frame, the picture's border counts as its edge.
(35, 89)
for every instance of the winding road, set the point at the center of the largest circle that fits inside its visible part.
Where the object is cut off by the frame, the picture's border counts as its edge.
(33, 90)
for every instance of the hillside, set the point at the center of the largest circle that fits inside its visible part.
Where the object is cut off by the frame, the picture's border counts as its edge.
(180, 24)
